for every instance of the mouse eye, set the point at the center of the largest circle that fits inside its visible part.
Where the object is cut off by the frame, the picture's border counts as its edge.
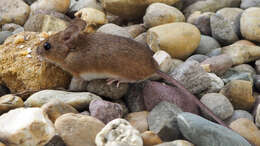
(47, 46)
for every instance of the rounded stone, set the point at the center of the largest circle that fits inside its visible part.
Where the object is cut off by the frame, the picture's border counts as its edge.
(9, 102)
(207, 44)
(247, 129)
(119, 132)
(178, 39)
(105, 111)
(56, 5)
(250, 24)
(159, 13)
(237, 114)
(138, 120)
(114, 29)
(150, 138)
(218, 104)
(240, 94)
(77, 129)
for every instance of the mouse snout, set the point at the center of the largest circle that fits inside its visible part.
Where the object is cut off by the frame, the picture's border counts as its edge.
(39, 50)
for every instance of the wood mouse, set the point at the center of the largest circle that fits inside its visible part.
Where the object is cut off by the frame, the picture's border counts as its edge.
(105, 56)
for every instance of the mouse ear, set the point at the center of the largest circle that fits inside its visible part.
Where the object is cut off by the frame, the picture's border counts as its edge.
(77, 22)
(71, 41)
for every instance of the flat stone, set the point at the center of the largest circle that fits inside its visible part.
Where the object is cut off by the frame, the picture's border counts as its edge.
(33, 128)
(218, 104)
(77, 129)
(55, 108)
(162, 120)
(119, 132)
(138, 120)
(237, 114)
(79, 100)
(202, 132)
(9, 102)
(105, 111)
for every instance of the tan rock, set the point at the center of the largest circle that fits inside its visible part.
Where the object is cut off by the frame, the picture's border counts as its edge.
(130, 9)
(239, 92)
(9, 102)
(164, 60)
(45, 23)
(78, 129)
(138, 120)
(150, 138)
(14, 11)
(247, 129)
(178, 39)
(176, 143)
(249, 24)
(245, 42)
(242, 52)
(33, 129)
(1, 144)
(160, 13)
(57, 5)
(55, 108)
(20, 68)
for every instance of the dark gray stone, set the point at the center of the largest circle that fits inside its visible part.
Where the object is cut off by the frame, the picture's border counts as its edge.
(163, 121)
(202, 132)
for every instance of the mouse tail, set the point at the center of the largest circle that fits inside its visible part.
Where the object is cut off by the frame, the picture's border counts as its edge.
(190, 95)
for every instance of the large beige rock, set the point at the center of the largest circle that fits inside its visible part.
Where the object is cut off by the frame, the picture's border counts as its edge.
(160, 13)
(26, 127)
(130, 9)
(119, 132)
(247, 129)
(21, 69)
(13, 11)
(57, 5)
(178, 39)
(78, 129)
(250, 24)
(9, 102)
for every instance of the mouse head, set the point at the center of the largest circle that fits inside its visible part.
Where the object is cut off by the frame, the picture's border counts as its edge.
(56, 48)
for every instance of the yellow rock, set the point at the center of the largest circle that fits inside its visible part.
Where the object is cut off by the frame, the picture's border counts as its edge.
(150, 138)
(247, 129)
(179, 39)
(21, 69)
(240, 94)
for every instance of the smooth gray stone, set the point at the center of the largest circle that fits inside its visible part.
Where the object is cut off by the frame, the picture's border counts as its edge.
(207, 44)
(4, 35)
(237, 114)
(202, 132)
(163, 121)
(233, 74)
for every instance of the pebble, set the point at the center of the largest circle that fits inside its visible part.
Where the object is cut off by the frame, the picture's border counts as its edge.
(56, 141)
(197, 57)
(20, 73)
(249, 24)
(173, 39)
(105, 111)
(33, 128)
(78, 100)
(55, 108)
(218, 104)
(162, 121)
(222, 29)
(239, 92)
(44, 23)
(10, 27)
(247, 129)
(245, 68)
(216, 84)
(136, 29)
(160, 13)
(138, 120)
(207, 44)
(56, 5)
(237, 114)
(4, 35)
(119, 132)
(257, 117)
(77, 129)
(176, 143)
(233, 74)
(123, 105)
(9, 102)
(141, 38)
(155, 92)
(164, 60)
(174, 64)
(15, 11)
(114, 29)
(76, 5)
(100, 87)
(247, 4)
(192, 76)
(150, 138)
(134, 98)
(193, 127)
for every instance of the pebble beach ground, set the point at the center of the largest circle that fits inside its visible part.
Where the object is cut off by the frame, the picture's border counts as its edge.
(212, 47)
